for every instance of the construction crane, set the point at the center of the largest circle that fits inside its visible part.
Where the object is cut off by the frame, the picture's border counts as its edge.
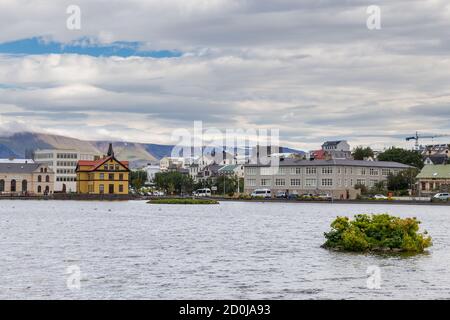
(417, 137)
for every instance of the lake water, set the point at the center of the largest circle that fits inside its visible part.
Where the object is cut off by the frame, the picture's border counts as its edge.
(134, 250)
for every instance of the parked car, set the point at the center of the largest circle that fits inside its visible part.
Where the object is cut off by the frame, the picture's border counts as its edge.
(206, 192)
(158, 193)
(262, 193)
(324, 196)
(380, 197)
(293, 196)
(281, 195)
(307, 195)
(442, 196)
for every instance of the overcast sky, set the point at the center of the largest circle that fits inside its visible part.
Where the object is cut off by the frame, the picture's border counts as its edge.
(139, 69)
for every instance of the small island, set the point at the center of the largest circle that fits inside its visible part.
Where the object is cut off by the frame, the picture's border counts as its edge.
(182, 201)
(376, 233)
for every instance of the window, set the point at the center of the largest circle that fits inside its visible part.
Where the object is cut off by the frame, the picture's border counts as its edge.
(311, 170)
(47, 179)
(111, 176)
(265, 182)
(121, 177)
(385, 172)
(280, 182)
(363, 171)
(117, 167)
(13, 186)
(39, 189)
(296, 182)
(24, 186)
(251, 171)
(373, 172)
(39, 178)
(327, 170)
(120, 188)
(361, 182)
(251, 182)
(282, 171)
(102, 189)
(372, 183)
(311, 183)
(327, 182)
(2, 185)
(267, 171)
(102, 176)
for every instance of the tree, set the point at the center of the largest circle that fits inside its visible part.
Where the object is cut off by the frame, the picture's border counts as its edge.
(174, 182)
(404, 180)
(138, 178)
(359, 153)
(412, 158)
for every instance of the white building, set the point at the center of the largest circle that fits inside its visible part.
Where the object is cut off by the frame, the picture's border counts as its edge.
(63, 163)
(13, 160)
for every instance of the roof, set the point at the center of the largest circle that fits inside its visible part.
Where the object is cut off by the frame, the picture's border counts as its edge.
(337, 162)
(97, 163)
(438, 158)
(16, 161)
(433, 171)
(230, 167)
(319, 154)
(19, 167)
(333, 143)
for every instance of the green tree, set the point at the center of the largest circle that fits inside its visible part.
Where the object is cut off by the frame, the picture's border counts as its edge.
(138, 178)
(174, 182)
(359, 153)
(412, 158)
(404, 180)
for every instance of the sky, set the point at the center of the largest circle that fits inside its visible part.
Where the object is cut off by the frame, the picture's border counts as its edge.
(138, 70)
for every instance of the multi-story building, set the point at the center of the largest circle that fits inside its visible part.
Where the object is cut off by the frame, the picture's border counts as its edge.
(103, 176)
(63, 163)
(334, 177)
(339, 149)
(26, 179)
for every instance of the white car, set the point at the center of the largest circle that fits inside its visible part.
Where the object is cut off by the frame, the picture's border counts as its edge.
(442, 196)
(262, 193)
(202, 192)
(158, 193)
(380, 197)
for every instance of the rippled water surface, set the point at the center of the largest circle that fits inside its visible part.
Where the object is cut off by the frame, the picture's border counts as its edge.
(133, 250)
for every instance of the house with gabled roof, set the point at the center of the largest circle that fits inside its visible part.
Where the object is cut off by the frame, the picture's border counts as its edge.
(107, 175)
(433, 179)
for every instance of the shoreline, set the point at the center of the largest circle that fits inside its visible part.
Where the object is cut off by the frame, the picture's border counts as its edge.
(74, 197)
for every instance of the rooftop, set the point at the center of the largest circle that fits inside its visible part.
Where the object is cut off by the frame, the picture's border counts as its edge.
(336, 162)
(435, 171)
(19, 168)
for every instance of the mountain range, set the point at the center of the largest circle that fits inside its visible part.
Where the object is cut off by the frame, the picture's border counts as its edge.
(21, 145)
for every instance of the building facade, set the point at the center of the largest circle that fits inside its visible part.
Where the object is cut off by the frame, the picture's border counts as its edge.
(63, 163)
(433, 179)
(26, 179)
(334, 177)
(103, 176)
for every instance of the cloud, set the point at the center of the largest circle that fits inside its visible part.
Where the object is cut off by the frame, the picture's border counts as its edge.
(310, 68)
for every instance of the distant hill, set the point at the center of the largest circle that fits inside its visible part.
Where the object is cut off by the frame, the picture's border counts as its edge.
(20, 145)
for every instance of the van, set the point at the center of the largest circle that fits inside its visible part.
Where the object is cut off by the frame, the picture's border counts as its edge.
(442, 196)
(262, 193)
(206, 192)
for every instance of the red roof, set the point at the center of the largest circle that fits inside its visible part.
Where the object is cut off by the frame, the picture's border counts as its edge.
(97, 163)
(319, 154)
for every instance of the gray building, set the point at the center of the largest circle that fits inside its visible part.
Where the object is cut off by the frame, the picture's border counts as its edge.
(336, 177)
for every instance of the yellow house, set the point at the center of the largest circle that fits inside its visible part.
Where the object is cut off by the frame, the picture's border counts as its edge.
(104, 176)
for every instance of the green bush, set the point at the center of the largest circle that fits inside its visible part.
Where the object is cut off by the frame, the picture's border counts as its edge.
(380, 232)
